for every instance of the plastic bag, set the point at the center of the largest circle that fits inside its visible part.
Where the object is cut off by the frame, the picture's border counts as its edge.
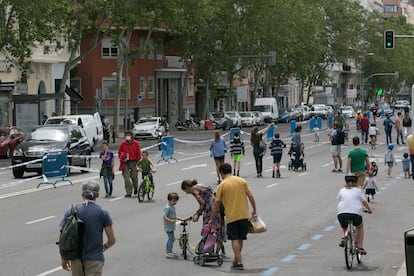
(256, 225)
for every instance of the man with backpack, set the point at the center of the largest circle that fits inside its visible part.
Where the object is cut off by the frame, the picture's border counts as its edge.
(89, 259)
(337, 138)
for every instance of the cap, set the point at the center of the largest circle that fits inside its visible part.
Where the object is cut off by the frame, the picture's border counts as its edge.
(90, 189)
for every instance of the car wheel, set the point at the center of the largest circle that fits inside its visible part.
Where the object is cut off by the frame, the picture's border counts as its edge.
(18, 172)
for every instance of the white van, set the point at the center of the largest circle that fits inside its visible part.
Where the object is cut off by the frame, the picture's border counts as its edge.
(269, 109)
(92, 125)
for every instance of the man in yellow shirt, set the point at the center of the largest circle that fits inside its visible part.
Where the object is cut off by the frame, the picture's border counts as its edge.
(233, 193)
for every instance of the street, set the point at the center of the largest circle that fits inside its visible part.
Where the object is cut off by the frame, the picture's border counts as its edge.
(299, 210)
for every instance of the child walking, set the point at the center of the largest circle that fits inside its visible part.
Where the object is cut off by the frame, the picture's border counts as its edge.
(107, 169)
(276, 150)
(236, 151)
(389, 159)
(346, 131)
(370, 186)
(170, 217)
(406, 165)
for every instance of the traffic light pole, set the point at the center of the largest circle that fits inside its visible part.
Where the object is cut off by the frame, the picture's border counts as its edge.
(396, 74)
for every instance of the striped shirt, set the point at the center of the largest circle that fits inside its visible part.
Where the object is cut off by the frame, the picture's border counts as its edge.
(237, 146)
(276, 147)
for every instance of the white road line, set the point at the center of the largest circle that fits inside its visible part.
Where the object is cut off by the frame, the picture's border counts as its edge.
(39, 220)
(272, 185)
(326, 165)
(194, 166)
(302, 174)
(50, 271)
(173, 183)
(248, 163)
(116, 198)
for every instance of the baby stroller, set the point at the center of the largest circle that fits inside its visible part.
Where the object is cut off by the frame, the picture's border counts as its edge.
(299, 163)
(206, 248)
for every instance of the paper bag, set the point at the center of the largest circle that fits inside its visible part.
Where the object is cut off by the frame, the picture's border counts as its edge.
(256, 225)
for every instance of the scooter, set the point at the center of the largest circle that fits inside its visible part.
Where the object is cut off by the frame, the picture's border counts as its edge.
(161, 134)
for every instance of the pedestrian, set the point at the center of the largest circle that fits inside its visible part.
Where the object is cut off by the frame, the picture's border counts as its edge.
(370, 186)
(358, 118)
(204, 195)
(336, 147)
(276, 150)
(169, 218)
(146, 166)
(129, 153)
(218, 150)
(358, 162)
(297, 143)
(107, 169)
(364, 128)
(399, 129)
(236, 151)
(347, 130)
(349, 208)
(374, 111)
(389, 159)
(406, 165)
(96, 221)
(373, 132)
(234, 192)
(388, 128)
(258, 151)
(410, 142)
(406, 122)
(339, 118)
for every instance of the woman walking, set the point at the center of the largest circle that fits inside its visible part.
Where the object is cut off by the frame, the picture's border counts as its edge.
(218, 149)
(258, 150)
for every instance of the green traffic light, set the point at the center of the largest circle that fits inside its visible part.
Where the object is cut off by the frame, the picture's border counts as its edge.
(388, 44)
(379, 91)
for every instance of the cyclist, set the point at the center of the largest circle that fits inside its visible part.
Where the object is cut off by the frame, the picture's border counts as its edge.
(146, 166)
(350, 205)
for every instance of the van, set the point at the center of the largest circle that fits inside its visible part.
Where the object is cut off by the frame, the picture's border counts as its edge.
(269, 109)
(92, 125)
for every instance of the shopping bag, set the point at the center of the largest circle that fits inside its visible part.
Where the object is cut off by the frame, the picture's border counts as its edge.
(256, 225)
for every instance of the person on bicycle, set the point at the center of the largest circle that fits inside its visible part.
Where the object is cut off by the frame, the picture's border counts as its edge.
(373, 132)
(146, 166)
(350, 205)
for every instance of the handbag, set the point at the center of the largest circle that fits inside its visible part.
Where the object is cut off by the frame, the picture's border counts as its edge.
(256, 225)
(262, 147)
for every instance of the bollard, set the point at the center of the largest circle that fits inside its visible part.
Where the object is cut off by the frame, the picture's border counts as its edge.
(330, 120)
(319, 122)
(271, 132)
(292, 127)
(409, 251)
(368, 114)
(311, 124)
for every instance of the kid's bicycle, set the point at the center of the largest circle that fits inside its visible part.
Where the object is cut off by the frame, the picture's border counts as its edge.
(146, 188)
(184, 236)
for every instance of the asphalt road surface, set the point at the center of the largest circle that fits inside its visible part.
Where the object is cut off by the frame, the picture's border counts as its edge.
(299, 210)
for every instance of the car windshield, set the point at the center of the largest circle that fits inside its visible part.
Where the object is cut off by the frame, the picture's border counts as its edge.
(384, 105)
(319, 108)
(217, 115)
(47, 134)
(262, 108)
(55, 121)
(245, 114)
(231, 114)
(4, 133)
(347, 108)
(148, 121)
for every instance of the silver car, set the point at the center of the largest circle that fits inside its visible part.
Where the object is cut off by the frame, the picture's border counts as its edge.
(235, 118)
(148, 127)
(247, 118)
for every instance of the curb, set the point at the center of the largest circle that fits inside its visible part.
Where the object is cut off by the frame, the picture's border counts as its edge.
(402, 271)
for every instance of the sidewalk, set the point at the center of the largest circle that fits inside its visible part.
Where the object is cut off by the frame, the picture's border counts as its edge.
(402, 271)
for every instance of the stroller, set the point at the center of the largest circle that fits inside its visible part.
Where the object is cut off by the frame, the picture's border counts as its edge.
(206, 248)
(293, 163)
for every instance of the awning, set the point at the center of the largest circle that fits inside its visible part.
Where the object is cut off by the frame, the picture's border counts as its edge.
(73, 94)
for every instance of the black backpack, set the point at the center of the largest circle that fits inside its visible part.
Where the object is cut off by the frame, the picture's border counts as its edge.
(340, 136)
(70, 240)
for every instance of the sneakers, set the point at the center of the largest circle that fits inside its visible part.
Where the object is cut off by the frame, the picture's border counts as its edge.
(171, 255)
(127, 195)
(334, 170)
(342, 242)
(362, 251)
(237, 266)
(339, 170)
(135, 191)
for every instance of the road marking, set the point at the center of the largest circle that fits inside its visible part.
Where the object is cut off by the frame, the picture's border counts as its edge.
(270, 271)
(329, 228)
(317, 237)
(248, 163)
(173, 183)
(326, 165)
(383, 188)
(288, 258)
(39, 220)
(304, 246)
(50, 271)
(272, 185)
(194, 166)
(117, 198)
(302, 174)
(269, 170)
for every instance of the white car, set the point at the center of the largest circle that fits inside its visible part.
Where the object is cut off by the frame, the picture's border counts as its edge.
(247, 118)
(259, 118)
(401, 104)
(148, 127)
(235, 118)
(348, 111)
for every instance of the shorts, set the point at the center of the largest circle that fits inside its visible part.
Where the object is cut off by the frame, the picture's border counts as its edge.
(390, 164)
(373, 136)
(237, 230)
(336, 150)
(361, 178)
(345, 217)
(370, 191)
(219, 158)
(237, 157)
(277, 158)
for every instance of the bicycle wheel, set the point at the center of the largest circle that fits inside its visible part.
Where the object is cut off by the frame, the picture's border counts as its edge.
(184, 247)
(150, 194)
(141, 192)
(358, 256)
(349, 257)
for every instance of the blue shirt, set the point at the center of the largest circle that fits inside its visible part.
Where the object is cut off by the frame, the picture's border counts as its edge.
(95, 219)
(169, 212)
(219, 148)
(296, 139)
(108, 161)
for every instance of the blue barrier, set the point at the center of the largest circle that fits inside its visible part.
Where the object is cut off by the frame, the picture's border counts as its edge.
(368, 114)
(167, 149)
(292, 127)
(270, 132)
(54, 165)
(319, 122)
(311, 124)
(232, 131)
(330, 120)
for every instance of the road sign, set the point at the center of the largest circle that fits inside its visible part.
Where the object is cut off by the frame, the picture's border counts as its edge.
(139, 99)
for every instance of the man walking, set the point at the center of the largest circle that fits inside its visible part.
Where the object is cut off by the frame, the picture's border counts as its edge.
(364, 124)
(96, 220)
(399, 129)
(129, 154)
(358, 161)
(233, 193)
(388, 128)
(336, 147)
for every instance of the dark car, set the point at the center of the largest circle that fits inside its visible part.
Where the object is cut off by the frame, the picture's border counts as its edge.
(42, 139)
(10, 137)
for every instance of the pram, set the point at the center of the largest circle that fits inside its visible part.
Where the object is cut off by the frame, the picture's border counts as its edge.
(296, 164)
(206, 248)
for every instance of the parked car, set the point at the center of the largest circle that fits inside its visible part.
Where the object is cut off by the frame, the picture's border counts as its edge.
(42, 139)
(259, 118)
(10, 137)
(319, 110)
(348, 111)
(401, 104)
(247, 118)
(306, 112)
(235, 118)
(384, 108)
(147, 127)
(330, 110)
(298, 114)
(219, 120)
(284, 117)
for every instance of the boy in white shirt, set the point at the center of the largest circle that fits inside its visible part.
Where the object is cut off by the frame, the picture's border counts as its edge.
(373, 132)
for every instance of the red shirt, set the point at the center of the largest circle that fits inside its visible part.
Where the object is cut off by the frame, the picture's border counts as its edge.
(133, 149)
(364, 123)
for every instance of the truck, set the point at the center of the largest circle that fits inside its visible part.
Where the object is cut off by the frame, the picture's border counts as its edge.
(269, 109)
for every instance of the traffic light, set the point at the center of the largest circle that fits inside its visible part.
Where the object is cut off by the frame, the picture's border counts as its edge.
(379, 91)
(389, 39)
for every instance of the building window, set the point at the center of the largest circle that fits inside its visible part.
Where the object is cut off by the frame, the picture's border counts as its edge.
(390, 9)
(108, 48)
(142, 86)
(109, 89)
(75, 83)
(151, 92)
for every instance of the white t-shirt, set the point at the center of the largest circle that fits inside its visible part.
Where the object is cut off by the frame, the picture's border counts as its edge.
(350, 201)
(372, 130)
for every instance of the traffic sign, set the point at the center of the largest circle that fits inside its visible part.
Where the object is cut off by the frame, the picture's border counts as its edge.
(139, 99)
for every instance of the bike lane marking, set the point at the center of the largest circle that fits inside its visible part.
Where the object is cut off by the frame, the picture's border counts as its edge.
(39, 220)
(270, 271)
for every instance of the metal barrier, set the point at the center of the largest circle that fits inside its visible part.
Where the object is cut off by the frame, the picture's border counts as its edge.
(329, 120)
(167, 149)
(311, 125)
(54, 164)
(232, 131)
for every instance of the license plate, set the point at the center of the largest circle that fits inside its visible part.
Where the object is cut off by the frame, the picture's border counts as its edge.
(34, 165)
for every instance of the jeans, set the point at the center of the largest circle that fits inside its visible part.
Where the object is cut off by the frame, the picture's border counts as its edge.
(108, 184)
(170, 242)
(388, 136)
(364, 135)
(258, 157)
(400, 135)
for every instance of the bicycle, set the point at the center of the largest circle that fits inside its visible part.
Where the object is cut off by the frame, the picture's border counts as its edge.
(146, 188)
(351, 251)
(184, 236)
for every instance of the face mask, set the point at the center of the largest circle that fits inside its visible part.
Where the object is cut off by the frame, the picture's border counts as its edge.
(128, 138)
